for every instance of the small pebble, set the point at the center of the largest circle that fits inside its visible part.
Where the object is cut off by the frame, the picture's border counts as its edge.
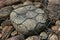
(43, 35)
(55, 28)
(14, 33)
(53, 37)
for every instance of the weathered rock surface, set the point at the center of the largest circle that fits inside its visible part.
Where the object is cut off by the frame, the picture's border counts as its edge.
(26, 18)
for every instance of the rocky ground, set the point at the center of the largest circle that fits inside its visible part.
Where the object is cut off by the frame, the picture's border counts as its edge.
(8, 32)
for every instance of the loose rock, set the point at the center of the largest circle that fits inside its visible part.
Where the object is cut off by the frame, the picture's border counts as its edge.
(43, 35)
(33, 38)
(4, 12)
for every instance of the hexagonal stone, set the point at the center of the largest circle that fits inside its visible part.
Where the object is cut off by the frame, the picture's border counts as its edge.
(40, 18)
(39, 10)
(31, 14)
(19, 20)
(22, 28)
(13, 15)
(30, 24)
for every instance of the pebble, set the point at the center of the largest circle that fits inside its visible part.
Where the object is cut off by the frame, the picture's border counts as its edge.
(53, 37)
(43, 35)
(33, 38)
(58, 24)
(14, 33)
(55, 28)
(4, 12)
(18, 37)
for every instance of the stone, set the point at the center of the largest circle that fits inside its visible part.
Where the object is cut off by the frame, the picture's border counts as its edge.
(4, 12)
(27, 2)
(43, 35)
(19, 20)
(40, 18)
(33, 38)
(58, 24)
(55, 28)
(25, 18)
(53, 37)
(18, 37)
(14, 33)
(0, 35)
(2, 3)
(17, 6)
(7, 2)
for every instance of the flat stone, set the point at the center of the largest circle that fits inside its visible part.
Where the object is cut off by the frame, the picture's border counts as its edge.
(58, 24)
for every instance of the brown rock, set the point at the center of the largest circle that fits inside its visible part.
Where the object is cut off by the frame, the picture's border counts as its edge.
(2, 3)
(58, 24)
(55, 28)
(7, 2)
(6, 32)
(6, 23)
(53, 37)
(4, 12)
(18, 37)
(0, 35)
